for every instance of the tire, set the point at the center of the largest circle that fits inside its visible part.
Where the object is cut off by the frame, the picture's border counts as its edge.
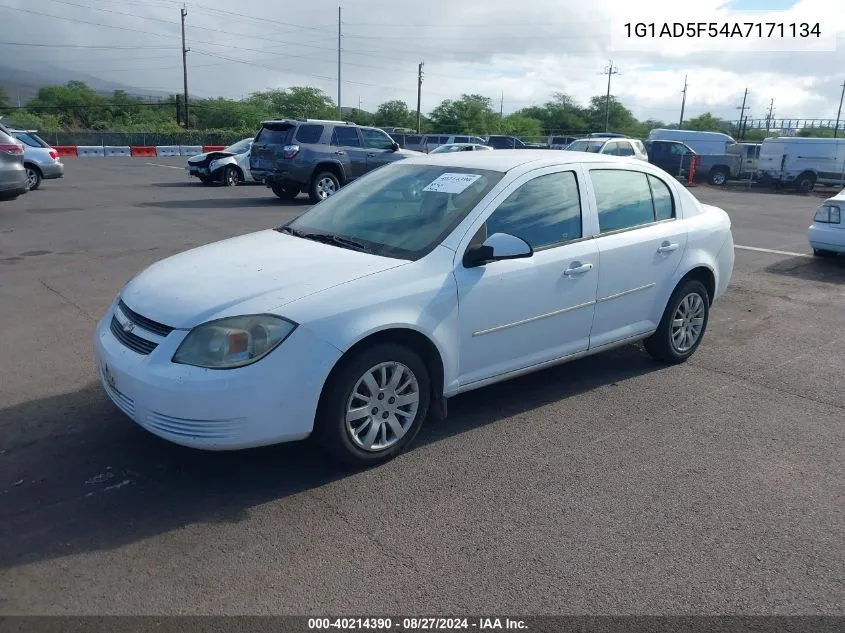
(805, 182)
(33, 177)
(285, 192)
(822, 253)
(718, 177)
(231, 176)
(347, 441)
(323, 185)
(689, 298)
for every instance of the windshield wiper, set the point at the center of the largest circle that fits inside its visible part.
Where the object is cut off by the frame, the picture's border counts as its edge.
(326, 238)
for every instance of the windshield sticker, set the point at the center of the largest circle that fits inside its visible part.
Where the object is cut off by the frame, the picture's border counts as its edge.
(452, 183)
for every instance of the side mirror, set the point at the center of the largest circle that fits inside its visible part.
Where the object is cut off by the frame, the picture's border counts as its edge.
(497, 247)
(395, 146)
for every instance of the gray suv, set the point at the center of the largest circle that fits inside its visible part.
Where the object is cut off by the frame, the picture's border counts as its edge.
(12, 172)
(317, 156)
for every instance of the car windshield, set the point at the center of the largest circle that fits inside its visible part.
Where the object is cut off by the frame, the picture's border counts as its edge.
(398, 210)
(240, 147)
(586, 146)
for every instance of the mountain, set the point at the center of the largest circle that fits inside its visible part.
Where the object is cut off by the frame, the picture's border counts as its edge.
(22, 82)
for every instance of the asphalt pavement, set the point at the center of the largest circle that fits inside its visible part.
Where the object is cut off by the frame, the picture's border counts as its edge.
(611, 485)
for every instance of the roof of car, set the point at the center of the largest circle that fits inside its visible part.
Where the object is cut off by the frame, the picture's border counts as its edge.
(506, 159)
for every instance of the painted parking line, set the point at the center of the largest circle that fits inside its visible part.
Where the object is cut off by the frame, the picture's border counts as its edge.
(769, 250)
(168, 166)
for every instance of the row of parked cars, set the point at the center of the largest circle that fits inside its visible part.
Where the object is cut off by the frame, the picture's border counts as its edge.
(25, 161)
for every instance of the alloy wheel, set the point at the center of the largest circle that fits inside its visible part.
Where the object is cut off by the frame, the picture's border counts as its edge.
(688, 322)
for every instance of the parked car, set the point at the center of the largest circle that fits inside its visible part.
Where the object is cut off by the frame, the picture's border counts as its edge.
(608, 135)
(40, 160)
(461, 147)
(802, 162)
(229, 166)
(701, 142)
(675, 158)
(13, 181)
(510, 142)
(429, 142)
(356, 319)
(561, 142)
(319, 157)
(827, 232)
(612, 146)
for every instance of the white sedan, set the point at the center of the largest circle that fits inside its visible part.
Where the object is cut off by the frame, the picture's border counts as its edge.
(360, 317)
(827, 232)
(229, 166)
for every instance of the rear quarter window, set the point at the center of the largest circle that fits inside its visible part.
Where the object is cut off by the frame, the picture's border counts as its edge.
(274, 136)
(309, 133)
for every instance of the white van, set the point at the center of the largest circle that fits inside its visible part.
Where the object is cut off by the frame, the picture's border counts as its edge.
(699, 142)
(802, 162)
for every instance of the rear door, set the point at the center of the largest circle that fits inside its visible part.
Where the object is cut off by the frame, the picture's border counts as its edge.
(347, 149)
(268, 146)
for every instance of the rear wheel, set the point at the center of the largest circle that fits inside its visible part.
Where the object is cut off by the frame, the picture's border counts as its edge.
(683, 324)
(374, 405)
(718, 176)
(805, 182)
(33, 177)
(323, 185)
(231, 176)
(286, 192)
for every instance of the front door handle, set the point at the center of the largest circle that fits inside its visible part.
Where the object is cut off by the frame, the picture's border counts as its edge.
(667, 247)
(339, 153)
(371, 155)
(577, 268)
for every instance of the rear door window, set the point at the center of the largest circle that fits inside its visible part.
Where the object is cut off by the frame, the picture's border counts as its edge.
(624, 148)
(309, 133)
(462, 139)
(346, 137)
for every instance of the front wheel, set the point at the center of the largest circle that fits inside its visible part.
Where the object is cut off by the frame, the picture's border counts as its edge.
(231, 176)
(323, 185)
(683, 324)
(33, 178)
(374, 405)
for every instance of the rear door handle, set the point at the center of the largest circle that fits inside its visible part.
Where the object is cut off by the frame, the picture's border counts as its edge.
(577, 269)
(667, 247)
(339, 153)
(371, 155)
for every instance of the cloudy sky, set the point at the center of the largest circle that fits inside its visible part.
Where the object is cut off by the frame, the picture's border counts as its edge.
(524, 49)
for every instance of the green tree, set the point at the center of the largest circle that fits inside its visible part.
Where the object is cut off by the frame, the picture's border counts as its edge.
(4, 98)
(297, 102)
(705, 123)
(395, 114)
(359, 117)
(620, 120)
(520, 125)
(471, 114)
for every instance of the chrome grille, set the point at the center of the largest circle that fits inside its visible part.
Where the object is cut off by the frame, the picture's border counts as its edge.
(130, 340)
(143, 322)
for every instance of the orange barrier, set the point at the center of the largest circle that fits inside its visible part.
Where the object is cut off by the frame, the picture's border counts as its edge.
(148, 151)
(691, 175)
(213, 148)
(66, 150)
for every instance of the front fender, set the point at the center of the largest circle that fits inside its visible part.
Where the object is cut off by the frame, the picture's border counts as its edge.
(219, 163)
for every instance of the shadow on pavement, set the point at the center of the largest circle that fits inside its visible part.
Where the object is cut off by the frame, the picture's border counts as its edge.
(822, 269)
(223, 203)
(77, 476)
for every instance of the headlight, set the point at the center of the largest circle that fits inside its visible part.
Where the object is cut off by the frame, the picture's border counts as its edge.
(233, 342)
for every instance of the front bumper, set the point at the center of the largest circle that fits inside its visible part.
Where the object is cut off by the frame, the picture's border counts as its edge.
(271, 401)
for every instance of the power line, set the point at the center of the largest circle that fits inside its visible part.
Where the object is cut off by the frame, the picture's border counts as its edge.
(99, 47)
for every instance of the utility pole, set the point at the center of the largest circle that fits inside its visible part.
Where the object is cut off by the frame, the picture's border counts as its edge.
(419, 97)
(502, 106)
(683, 103)
(742, 118)
(839, 113)
(339, 108)
(610, 72)
(184, 12)
(769, 116)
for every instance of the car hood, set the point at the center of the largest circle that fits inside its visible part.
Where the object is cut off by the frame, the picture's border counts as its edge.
(255, 273)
